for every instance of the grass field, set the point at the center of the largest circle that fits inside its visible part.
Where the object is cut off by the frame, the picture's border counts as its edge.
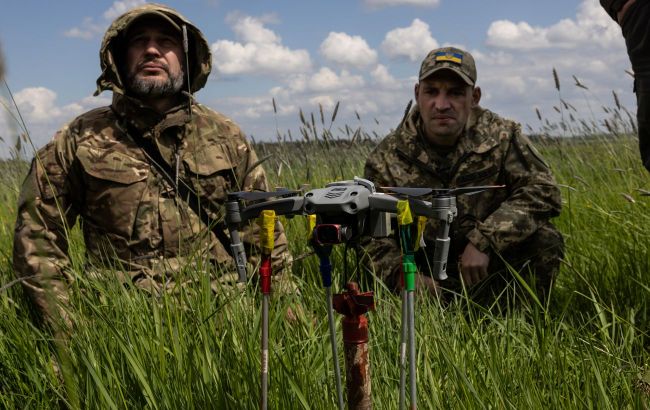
(587, 349)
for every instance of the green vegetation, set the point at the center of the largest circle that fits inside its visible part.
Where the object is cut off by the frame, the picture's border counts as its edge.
(587, 349)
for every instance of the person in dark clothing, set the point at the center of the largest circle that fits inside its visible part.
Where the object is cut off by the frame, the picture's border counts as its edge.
(634, 18)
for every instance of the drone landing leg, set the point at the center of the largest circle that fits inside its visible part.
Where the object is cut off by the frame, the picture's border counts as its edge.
(266, 222)
(402, 352)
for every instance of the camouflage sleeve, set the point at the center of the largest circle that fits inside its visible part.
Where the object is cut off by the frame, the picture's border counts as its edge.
(534, 198)
(45, 215)
(253, 178)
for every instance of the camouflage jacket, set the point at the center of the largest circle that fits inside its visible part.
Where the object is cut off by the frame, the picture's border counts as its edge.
(133, 221)
(491, 152)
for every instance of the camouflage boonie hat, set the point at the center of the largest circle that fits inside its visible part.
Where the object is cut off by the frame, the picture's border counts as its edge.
(450, 58)
(144, 13)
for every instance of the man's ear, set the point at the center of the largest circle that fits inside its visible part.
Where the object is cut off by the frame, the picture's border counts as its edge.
(476, 96)
(417, 91)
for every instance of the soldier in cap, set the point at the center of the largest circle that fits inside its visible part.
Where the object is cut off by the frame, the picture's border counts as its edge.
(634, 18)
(446, 141)
(146, 175)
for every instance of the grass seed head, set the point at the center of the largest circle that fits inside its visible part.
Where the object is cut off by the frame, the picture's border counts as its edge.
(556, 79)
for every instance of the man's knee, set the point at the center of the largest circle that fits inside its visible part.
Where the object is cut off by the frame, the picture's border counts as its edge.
(544, 251)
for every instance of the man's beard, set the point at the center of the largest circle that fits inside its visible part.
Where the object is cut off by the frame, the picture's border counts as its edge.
(145, 87)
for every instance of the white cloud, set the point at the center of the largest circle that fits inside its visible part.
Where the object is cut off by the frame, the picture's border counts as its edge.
(120, 7)
(348, 50)
(326, 101)
(324, 80)
(38, 104)
(514, 80)
(327, 80)
(384, 101)
(591, 23)
(383, 78)
(516, 73)
(252, 30)
(259, 52)
(412, 42)
(42, 114)
(392, 3)
(90, 29)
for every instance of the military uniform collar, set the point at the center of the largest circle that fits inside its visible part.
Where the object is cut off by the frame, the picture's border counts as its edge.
(145, 120)
(475, 138)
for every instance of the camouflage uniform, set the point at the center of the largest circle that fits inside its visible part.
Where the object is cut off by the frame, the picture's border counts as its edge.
(133, 221)
(636, 30)
(511, 222)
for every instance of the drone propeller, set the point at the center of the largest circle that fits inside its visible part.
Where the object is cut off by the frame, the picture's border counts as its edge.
(407, 191)
(260, 195)
(418, 192)
(467, 190)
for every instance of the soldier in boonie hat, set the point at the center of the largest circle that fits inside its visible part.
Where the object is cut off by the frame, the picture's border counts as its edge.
(135, 172)
(147, 14)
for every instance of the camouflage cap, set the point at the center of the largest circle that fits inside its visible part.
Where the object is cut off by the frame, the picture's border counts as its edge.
(450, 58)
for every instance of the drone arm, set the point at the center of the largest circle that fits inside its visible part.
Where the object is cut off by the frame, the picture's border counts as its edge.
(283, 206)
(242, 234)
(233, 220)
(388, 203)
(249, 177)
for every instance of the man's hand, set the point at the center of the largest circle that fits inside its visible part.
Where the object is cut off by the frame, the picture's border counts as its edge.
(623, 10)
(473, 265)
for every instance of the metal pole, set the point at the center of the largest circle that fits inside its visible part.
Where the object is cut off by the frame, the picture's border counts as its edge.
(265, 287)
(325, 267)
(411, 322)
(402, 353)
(265, 352)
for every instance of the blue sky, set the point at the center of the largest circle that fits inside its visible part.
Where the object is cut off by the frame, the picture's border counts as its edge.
(364, 54)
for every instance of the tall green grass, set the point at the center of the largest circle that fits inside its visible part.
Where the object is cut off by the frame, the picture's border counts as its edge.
(586, 349)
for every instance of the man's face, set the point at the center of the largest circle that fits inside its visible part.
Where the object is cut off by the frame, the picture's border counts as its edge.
(445, 102)
(153, 60)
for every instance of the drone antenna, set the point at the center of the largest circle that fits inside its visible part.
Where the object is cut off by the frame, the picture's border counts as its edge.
(186, 49)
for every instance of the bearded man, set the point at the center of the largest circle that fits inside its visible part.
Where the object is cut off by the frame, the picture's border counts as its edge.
(147, 175)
